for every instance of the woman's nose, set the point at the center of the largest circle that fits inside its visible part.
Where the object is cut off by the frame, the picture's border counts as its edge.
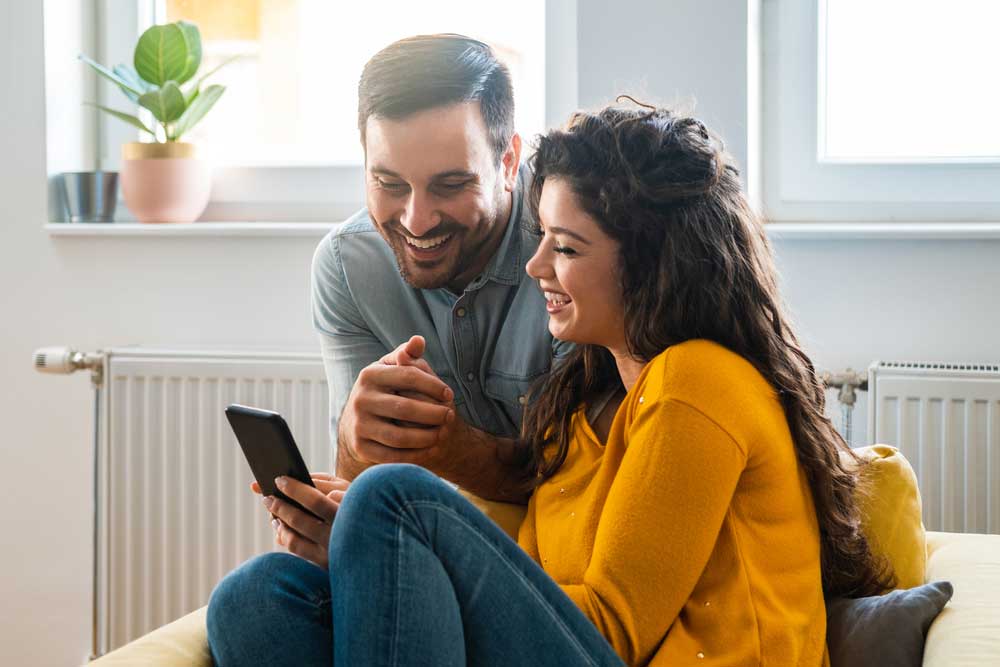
(538, 267)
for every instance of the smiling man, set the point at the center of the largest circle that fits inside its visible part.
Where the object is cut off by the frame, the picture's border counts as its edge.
(439, 254)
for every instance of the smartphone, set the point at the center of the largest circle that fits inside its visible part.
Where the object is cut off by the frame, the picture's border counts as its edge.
(269, 448)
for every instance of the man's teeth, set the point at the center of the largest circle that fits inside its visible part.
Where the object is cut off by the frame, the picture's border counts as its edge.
(557, 299)
(429, 243)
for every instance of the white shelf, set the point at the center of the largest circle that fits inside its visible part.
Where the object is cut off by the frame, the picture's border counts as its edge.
(881, 231)
(782, 231)
(266, 229)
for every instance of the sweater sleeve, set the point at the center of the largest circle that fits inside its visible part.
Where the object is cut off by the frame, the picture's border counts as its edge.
(659, 525)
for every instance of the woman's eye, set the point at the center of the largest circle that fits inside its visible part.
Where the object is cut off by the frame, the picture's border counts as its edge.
(564, 250)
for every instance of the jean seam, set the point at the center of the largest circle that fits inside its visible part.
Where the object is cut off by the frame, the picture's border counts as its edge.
(394, 644)
(503, 557)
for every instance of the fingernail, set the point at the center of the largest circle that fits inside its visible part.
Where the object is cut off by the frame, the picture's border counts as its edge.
(268, 501)
(275, 524)
(450, 417)
(280, 481)
(448, 394)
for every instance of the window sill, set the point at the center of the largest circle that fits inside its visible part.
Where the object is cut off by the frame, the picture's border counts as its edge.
(882, 231)
(264, 229)
(781, 231)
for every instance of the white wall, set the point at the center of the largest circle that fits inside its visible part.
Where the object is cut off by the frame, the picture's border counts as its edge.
(854, 301)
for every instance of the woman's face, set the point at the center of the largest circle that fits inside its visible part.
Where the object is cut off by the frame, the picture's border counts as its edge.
(576, 265)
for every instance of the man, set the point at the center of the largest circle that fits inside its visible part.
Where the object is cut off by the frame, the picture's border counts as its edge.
(440, 252)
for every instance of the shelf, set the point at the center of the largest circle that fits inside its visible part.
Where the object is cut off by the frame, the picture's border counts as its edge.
(265, 229)
(882, 231)
(781, 231)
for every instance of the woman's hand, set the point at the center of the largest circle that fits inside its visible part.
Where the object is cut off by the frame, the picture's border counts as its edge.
(302, 534)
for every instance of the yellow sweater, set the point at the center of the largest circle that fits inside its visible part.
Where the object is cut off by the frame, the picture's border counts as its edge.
(690, 538)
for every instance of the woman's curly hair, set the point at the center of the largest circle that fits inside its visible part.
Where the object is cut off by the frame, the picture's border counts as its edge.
(695, 263)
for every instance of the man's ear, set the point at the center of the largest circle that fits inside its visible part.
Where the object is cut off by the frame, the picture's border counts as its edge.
(511, 161)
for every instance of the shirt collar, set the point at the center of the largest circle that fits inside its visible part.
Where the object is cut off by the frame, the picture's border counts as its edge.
(505, 267)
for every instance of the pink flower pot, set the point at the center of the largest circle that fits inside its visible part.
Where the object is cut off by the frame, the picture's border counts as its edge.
(164, 182)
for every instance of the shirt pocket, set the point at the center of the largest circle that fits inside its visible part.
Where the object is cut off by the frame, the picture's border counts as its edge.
(510, 393)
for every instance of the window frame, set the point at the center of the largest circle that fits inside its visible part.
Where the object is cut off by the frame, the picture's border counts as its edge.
(799, 186)
(299, 193)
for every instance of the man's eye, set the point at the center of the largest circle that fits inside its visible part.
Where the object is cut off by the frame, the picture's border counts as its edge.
(389, 185)
(452, 186)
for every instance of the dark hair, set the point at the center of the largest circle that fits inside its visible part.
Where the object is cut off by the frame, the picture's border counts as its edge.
(695, 263)
(427, 71)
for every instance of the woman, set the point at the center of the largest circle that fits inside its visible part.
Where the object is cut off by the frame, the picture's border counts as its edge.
(689, 503)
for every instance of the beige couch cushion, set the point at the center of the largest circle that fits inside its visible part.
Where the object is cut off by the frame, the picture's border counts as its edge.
(967, 632)
(183, 643)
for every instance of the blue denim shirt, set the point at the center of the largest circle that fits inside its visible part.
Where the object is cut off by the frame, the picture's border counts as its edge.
(488, 344)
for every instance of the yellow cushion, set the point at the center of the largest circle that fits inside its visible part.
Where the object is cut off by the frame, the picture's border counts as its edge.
(890, 512)
(506, 515)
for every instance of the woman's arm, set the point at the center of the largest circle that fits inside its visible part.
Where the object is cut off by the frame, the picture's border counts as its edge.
(659, 525)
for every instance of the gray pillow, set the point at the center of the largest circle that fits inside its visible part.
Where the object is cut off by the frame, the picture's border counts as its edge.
(886, 630)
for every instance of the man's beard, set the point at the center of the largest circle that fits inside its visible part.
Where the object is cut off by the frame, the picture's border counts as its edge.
(428, 275)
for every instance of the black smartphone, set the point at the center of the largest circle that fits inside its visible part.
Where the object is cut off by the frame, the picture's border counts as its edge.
(269, 448)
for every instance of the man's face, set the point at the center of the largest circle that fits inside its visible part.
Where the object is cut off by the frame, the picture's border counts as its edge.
(437, 194)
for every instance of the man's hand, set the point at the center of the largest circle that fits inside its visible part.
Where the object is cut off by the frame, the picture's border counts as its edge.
(397, 409)
(302, 534)
(413, 432)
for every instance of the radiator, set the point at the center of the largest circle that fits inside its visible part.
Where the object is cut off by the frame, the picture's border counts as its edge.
(945, 419)
(174, 509)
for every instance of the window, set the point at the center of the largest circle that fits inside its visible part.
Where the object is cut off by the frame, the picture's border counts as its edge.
(880, 110)
(283, 137)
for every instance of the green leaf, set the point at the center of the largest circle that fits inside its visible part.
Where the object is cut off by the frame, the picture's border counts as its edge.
(216, 69)
(190, 94)
(161, 54)
(129, 75)
(111, 76)
(131, 120)
(193, 38)
(166, 103)
(202, 103)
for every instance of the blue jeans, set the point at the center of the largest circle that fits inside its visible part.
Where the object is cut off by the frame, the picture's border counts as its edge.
(417, 576)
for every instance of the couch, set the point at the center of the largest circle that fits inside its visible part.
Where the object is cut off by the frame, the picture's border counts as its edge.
(967, 632)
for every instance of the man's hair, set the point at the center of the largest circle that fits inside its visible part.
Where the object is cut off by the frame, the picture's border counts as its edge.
(428, 71)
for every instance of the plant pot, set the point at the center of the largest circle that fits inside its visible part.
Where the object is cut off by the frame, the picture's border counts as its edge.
(164, 182)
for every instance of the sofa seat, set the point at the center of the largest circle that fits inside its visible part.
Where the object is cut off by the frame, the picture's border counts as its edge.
(967, 632)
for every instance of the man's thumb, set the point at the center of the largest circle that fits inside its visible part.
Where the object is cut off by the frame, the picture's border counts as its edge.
(415, 347)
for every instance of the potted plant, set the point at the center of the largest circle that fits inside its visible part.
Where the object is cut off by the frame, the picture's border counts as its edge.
(164, 180)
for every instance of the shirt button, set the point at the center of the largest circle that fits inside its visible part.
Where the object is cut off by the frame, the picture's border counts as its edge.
(460, 312)
(470, 376)
(522, 399)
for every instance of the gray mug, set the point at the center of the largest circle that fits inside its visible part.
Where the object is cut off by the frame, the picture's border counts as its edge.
(90, 196)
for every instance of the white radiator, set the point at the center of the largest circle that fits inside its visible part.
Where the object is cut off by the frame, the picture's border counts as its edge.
(945, 419)
(174, 507)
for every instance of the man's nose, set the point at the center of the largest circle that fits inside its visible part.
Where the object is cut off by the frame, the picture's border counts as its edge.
(419, 216)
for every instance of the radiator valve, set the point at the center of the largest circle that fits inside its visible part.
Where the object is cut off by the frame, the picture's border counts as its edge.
(63, 360)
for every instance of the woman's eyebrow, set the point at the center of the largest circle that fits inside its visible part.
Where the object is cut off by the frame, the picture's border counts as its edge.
(563, 230)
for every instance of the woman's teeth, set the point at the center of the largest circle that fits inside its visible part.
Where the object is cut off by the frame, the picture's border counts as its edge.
(557, 299)
(428, 243)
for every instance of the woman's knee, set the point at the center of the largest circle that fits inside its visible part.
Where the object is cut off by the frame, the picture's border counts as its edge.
(252, 585)
(390, 481)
